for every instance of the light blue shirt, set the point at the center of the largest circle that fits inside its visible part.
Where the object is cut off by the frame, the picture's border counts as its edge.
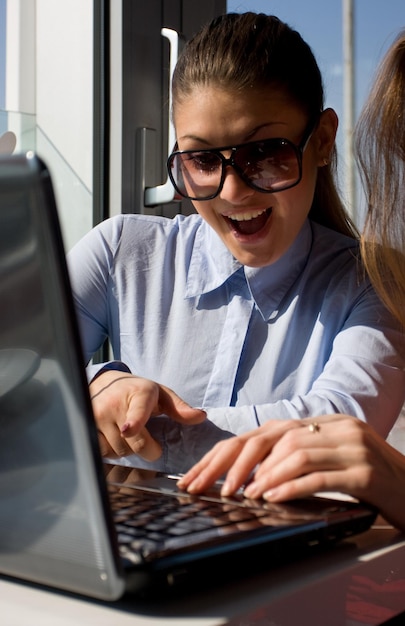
(304, 336)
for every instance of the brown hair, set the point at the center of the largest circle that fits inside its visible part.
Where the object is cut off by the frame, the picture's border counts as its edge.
(380, 148)
(249, 50)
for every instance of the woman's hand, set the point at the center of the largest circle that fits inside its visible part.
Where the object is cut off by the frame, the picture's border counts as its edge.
(238, 456)
(298, 458)
(122, 405)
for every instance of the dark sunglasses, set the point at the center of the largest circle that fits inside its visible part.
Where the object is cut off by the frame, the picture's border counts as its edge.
(268, 166)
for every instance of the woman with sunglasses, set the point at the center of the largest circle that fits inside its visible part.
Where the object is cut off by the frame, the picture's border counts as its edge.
(257, 306)
(340, 452)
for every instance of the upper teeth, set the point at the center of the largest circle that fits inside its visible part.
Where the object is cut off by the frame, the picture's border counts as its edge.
(243, 217)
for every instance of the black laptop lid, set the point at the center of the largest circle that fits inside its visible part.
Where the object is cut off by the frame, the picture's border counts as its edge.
(53, 527)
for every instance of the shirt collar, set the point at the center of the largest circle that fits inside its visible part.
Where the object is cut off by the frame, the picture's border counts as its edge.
(211, 265)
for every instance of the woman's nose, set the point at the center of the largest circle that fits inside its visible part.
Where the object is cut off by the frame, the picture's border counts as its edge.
(234, 189)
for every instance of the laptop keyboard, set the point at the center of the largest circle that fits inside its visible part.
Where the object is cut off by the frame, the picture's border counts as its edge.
(149, 524)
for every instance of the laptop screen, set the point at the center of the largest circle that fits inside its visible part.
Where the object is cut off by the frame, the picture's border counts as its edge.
(53, 526)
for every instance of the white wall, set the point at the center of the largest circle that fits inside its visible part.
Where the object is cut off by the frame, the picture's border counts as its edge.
(64, 61)
(49, 97)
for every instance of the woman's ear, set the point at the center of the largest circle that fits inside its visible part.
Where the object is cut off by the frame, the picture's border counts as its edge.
(325, 135)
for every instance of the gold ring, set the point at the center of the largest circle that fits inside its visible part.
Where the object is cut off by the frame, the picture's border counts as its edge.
(314, 427)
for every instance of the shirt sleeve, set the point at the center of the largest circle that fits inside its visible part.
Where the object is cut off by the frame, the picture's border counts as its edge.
(90, 262)
(94, 370)
(364, 377)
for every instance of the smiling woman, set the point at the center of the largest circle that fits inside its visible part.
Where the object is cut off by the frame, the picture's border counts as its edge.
(273, 150)
(256, 307)
(294, 459)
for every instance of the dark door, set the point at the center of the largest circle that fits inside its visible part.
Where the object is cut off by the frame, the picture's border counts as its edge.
(146, 57)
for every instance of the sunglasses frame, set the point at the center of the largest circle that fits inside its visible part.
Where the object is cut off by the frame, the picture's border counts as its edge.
(230, 161)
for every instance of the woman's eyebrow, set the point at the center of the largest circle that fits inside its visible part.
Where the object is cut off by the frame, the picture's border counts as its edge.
(247, 136)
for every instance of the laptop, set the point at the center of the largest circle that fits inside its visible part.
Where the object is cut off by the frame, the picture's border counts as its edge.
(68, 520)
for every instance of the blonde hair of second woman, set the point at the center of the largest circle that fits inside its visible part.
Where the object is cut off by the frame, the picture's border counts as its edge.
(380, 148)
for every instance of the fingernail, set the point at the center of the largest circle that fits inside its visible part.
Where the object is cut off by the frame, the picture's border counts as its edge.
(125, 427)
(193, 486)
(271, 494)
(228, 488)
(251, 491)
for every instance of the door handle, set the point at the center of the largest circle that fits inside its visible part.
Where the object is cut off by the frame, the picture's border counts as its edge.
(166, 192)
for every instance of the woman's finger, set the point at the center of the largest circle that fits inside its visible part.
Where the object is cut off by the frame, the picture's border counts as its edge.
(212, 466)
(112, 443)
(143, 444)
(307, 485)
(254, 450)
(293, 466)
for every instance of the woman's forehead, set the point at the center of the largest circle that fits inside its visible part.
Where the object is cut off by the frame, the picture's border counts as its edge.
(211, 113)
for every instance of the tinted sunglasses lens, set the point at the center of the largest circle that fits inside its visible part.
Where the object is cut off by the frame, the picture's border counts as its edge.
(196, 175)
(271, 165)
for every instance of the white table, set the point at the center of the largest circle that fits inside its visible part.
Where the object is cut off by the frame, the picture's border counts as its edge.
(367, 571)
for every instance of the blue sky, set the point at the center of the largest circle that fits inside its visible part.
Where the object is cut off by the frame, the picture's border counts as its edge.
(376, 22)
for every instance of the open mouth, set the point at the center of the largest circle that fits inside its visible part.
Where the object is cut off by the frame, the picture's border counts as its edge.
(249, 223)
